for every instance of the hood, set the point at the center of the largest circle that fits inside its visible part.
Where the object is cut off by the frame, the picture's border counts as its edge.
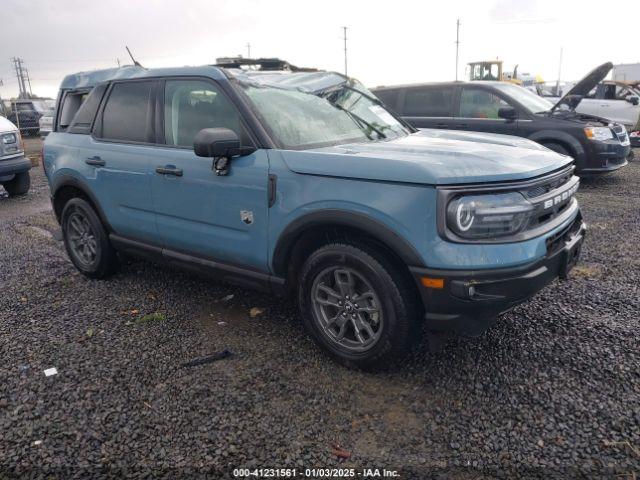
(584, 86)
(7, 126)
(433, 157)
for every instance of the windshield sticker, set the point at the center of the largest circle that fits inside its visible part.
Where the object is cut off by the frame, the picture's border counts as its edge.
(384, 115)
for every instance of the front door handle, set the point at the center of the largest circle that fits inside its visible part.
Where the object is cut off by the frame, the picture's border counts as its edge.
(96, 161)
(462, 125)
(169, 170)
(442, 125)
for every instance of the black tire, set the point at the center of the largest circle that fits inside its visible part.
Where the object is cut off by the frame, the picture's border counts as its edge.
(90, 252)
(394, 327)
(558, 148)
(19, 185)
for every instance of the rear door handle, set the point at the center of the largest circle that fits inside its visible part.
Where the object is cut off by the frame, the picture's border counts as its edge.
(442, 125)
(169, 170)
(462, 125)
(96, 161)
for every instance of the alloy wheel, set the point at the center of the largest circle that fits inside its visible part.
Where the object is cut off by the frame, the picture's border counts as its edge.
(82, 239)
(347, 308)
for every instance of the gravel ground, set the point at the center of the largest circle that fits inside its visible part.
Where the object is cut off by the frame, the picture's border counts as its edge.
(551, 391)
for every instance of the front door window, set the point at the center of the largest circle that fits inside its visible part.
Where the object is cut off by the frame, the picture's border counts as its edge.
(476, 103)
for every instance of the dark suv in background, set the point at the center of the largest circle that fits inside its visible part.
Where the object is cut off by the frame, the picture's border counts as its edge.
(597, 145)
(26, 114)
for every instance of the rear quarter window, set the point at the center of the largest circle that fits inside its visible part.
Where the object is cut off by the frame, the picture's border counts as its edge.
(71, 103)
(85, 115)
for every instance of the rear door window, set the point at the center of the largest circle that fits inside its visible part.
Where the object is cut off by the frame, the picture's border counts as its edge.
(477, 103)
(428, 102)
(127, 115)
(389, 98)
(191, 105)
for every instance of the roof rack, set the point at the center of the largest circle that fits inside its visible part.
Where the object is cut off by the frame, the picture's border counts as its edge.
(264, 64)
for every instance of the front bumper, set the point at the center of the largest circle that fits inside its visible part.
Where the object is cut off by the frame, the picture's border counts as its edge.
(605, 157)
(469, 301)
(15, 165)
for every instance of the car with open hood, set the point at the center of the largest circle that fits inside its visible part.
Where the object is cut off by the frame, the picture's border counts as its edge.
(617, 102)
(302, 183)
(596, 144)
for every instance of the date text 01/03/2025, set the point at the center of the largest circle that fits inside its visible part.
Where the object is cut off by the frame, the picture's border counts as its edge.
(315, 473)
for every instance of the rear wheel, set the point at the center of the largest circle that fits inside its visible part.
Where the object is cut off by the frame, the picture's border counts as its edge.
(19, 185)
(86, 240)
(357, 304)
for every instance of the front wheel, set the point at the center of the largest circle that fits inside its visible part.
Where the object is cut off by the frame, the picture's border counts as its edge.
(357, 304)
(19, 185)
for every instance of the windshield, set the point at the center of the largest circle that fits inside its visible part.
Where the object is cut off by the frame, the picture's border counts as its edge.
(342, 113)
(526, 98)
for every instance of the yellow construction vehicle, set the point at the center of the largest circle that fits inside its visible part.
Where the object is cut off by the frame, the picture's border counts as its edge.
(492, 70)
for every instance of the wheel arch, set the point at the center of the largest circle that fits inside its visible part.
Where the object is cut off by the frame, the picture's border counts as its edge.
(561, 138)
(68, 187)
(324, 226)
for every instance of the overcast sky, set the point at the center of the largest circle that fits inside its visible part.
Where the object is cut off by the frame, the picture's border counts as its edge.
(397, 41)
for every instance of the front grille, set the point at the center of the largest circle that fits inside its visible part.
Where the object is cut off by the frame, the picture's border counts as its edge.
(551, 198)
(546, 187)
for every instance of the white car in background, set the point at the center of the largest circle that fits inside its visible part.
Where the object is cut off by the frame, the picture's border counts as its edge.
(611, 100)
(46, 120)
(614, 101)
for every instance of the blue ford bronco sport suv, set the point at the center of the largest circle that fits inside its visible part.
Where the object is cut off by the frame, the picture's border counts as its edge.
(302, 183)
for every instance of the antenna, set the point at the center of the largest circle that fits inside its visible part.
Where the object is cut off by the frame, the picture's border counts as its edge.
(345, 49)
(457, 45)
(135, 62)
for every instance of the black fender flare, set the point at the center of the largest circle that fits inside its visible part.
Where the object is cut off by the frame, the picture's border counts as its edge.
(550, 136)
(341, 218)
(66, 180)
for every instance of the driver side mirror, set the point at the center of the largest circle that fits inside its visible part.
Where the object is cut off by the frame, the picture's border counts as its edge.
(508, 113)
(633, 99)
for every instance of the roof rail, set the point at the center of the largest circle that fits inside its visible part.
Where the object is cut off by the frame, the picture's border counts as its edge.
(265, 64)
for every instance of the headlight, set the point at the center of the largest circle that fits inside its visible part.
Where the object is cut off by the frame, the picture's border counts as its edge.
(488, 216)
(598, 133)
(9, 138)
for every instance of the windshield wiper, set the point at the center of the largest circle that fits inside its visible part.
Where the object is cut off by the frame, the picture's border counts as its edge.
(361, 121)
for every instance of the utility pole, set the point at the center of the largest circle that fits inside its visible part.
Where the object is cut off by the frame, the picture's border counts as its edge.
(345, 49)
(457, 45)
(20, 75)
(248, 50)
(559, 73)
